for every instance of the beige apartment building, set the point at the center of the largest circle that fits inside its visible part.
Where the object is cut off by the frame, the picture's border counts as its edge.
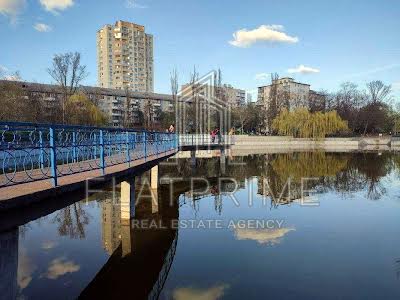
(289, 93)
(125, 57)
(233, 97)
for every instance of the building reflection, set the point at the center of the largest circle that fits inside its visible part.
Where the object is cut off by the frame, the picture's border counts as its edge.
(9, 264)
(110, 225)
(140, 258)
(142, 254)
(340, 172)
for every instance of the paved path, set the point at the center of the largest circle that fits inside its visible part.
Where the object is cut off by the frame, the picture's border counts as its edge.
(26, 193)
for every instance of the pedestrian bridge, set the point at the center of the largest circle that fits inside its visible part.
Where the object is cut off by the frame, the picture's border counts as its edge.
(41, 160)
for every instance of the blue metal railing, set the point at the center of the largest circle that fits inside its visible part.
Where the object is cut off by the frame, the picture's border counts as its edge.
(31, 152)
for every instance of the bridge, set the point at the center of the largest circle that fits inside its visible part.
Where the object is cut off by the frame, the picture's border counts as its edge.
(43, 160)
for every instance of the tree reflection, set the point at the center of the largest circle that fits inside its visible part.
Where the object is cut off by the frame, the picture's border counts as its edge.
(344, 173)
(72, 220)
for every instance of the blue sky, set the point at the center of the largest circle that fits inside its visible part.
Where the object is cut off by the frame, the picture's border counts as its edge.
(331, 41)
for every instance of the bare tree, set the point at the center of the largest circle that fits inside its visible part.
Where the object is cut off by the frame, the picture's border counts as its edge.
(378, 91)
(127, 111)
(174, 84)
(174, 93)
(148, 114)
(192, 117)
(272, 110)
(68, 73)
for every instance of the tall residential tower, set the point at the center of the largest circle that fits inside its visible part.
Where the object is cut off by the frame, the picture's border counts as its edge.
(125, 57)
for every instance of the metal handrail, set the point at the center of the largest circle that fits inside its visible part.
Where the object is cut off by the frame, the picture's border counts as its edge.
(31, 152)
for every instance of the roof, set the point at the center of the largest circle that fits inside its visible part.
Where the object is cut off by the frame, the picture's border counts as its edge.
(51, 88)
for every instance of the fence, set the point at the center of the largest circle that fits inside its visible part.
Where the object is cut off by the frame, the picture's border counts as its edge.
(31, 152)
(204, 140)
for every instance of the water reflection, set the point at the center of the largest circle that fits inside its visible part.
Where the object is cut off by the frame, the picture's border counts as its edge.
(342, 172)
(211, 293)
(140, 262)
(262, 236)
(93, 249)
(71, 221)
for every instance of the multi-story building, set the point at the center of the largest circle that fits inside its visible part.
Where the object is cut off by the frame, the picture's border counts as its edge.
(316, 101)
(287, 92)
(117, 105)
(228, 94)
(234, 97)
(125, 57)
(249, 98)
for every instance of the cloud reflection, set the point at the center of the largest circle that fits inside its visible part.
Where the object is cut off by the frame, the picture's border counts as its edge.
(47, 245)
(59, 267)
(262, 236)
(211, 293)
(25, 269)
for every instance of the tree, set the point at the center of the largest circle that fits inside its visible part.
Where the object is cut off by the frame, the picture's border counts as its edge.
(240, 117)
(375, 114)
(301, 123)
(272, 109)
(127, 121)
(148, 114)
(12, 102)
(68, 73)
(81, 111)
(378, 92)
(172, 116)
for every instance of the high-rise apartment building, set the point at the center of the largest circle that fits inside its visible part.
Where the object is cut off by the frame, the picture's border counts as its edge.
(125, 57)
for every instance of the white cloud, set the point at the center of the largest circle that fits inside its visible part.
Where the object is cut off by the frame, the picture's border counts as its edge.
(41, 27)
(212, 293)
(12, 8)
(396, 86)
(133, 4)
(302, 69)
(55, 6)
(14, 77)
(262, 236)
(262, 76)
(265, 33)
(59, 267)
(3, 69)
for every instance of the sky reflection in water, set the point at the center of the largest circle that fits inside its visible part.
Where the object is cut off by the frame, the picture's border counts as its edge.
(347, 247)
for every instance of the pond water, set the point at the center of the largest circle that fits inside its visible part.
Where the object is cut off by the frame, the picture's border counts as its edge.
(306, 225)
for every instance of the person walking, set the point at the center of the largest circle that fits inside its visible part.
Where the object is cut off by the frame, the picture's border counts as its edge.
(171, 128)
(213, 134)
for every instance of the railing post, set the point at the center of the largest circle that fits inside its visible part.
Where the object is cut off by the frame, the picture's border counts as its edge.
(95, 146)
(102, 160)
(41, 153)
(53, 156)
(128, 156)
(145, 145)
(74, 146)
(156, 142)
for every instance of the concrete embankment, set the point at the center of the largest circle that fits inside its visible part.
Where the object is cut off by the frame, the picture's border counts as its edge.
(277, 143)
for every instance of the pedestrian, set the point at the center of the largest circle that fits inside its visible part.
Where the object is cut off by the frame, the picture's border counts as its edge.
(213, 133)
(218, 133)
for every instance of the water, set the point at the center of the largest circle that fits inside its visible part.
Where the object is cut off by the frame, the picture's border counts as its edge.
(338, 238)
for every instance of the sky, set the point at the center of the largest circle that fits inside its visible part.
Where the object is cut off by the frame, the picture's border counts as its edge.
(323, 43)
